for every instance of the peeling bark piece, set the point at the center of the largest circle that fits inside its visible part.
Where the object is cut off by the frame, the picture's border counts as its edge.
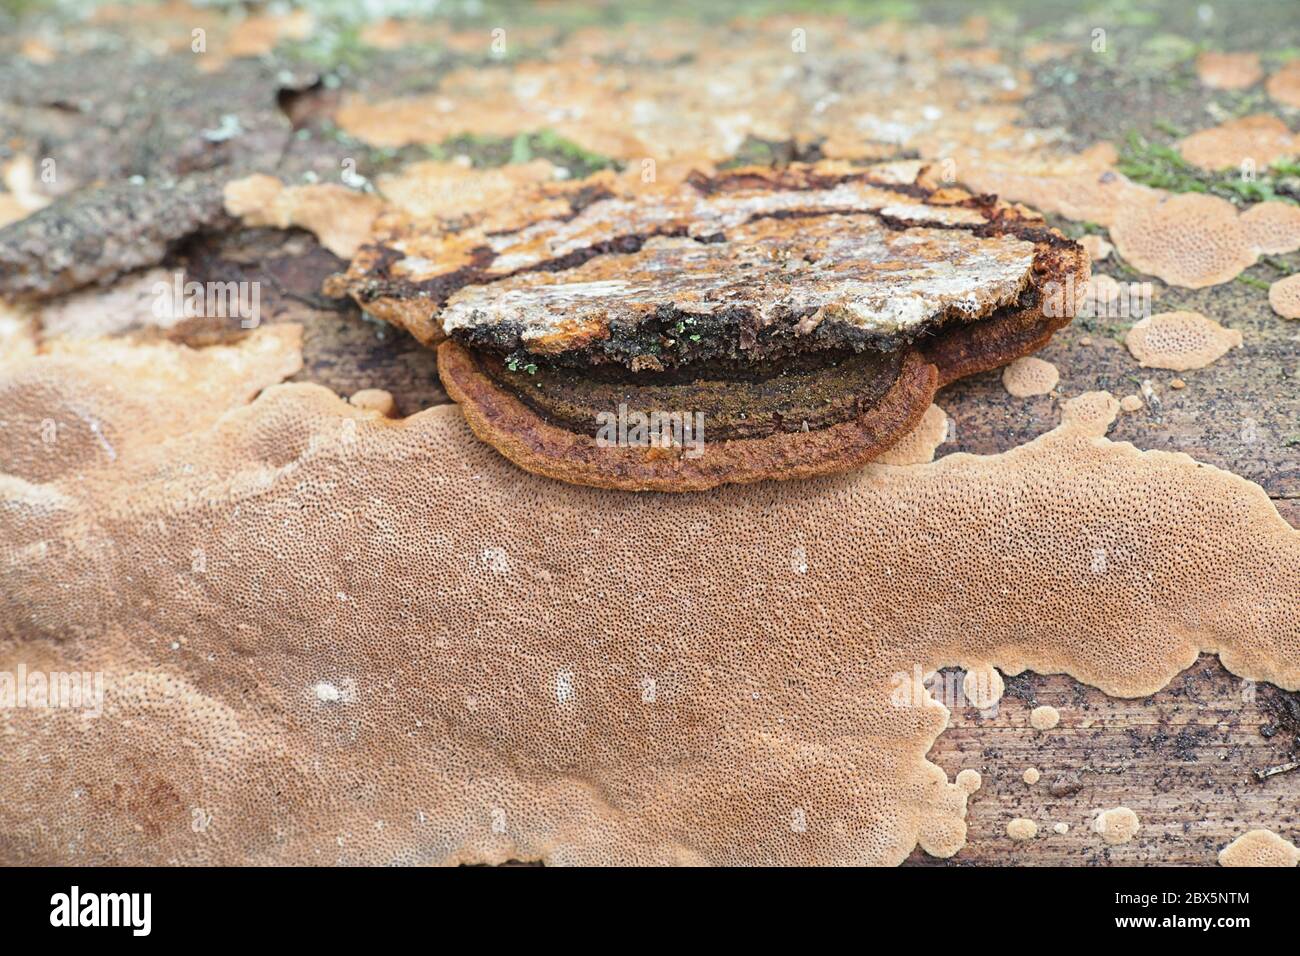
(414, 267)
(774, 286)
(104, 233)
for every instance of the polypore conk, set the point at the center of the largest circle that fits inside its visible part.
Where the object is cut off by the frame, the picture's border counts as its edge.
(754, 324)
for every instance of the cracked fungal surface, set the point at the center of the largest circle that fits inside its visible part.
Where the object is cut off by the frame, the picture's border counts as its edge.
(751, 298)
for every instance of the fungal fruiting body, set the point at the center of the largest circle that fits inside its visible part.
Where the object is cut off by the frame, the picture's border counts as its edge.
(345, 711)
(750, 325)
(1117, 825)
(1260, 848)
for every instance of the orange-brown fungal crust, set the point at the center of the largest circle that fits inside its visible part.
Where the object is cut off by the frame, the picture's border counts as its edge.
(1284, 85)
(504, 421)
(1180, 341)
(1273, 227)
(1229, 71)
(257, 592)
(1258, 140)
(1284, 297)
(1260, 848)
(1188, 239)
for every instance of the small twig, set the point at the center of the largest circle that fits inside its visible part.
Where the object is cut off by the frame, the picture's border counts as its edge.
(1262, 775)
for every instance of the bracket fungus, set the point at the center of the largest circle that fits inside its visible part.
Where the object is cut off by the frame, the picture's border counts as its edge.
(804, 317)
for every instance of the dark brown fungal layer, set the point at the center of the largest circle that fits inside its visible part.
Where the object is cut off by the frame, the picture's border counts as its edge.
(735, 400)
(501, 418)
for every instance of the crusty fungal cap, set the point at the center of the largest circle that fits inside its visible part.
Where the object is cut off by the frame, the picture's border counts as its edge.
(1284, 297)
(1031, 776)
(1021, 829)
(1261, 139)
(1044, 717)
(260, 585)
(1260, 848)
(838, 269)
(1284, 85)
(1180, 341)
(1117, 825)
(1229, 71)
(969, 780)
(1030, 376)
(1187, 239)
(820, 244)
(1273, 228)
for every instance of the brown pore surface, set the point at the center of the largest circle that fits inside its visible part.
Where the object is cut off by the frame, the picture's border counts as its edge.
(400, 648)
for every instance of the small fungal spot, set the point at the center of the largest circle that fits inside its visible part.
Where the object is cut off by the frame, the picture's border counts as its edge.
(1260, 848)
(969, 780)
(983, 686)
(375, 399)
(1030, 376)
(1086, 341)
(1131, 403)
(1284, 297)
(1021, 829)
(564, 686)
(1096, 247)
(1229, 71)
(1180, 341)
(1117, 825)
(496, 560)
(1046, 717)
(1092, 412)
(1177, 384)
(1032, 776)
(1061, 828)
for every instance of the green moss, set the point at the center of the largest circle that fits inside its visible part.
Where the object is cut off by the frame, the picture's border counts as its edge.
(1161, 166)
(488, 151)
